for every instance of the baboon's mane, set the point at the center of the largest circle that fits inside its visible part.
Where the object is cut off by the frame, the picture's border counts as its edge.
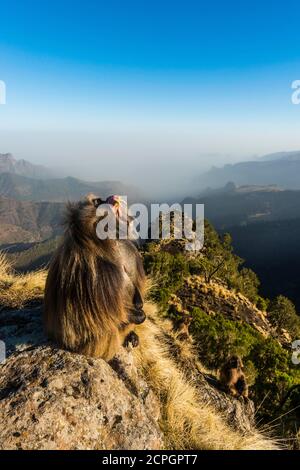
(84, 289)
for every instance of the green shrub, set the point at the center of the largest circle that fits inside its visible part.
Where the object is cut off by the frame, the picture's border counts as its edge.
(217, 337)
(282, 314)
(262, 303)
(167, 271)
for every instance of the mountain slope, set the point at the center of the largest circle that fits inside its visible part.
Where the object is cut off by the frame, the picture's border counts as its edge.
(220, 298)
(25, 221)
(295, 155)
(27, 257)
(8, 164)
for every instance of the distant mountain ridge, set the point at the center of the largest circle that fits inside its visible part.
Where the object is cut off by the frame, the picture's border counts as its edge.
(295, 155)
(8, 164)
(281, 169)
(19, 187)
(232, 205)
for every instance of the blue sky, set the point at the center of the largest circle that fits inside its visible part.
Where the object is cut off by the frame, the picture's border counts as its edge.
(127, 85)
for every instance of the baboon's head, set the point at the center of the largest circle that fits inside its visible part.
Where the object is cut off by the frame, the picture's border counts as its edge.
(83, 216)
(187, 319)
(235, 362)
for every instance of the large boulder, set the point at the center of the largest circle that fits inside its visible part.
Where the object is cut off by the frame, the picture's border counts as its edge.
(53, 399)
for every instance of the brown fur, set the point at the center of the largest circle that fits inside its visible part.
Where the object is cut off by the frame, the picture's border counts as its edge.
(232, 377)
(90, 287)
(182, 327)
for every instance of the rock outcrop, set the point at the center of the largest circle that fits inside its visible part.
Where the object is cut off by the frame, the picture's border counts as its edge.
(53, 399)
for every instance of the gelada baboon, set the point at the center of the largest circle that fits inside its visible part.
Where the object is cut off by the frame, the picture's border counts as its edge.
(232, 377)
(182, 326)
(94, 289)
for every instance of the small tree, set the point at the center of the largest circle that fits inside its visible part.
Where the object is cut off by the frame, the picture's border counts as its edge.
(262, 303)
(217, 258)
(282, 314)
(246, 282)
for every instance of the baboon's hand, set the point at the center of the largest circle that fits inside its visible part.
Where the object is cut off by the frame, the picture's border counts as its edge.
(133, 339)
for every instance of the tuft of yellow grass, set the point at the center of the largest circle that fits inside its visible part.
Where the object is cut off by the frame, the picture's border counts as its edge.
(187, 421)
(18, 290)
(4, 265)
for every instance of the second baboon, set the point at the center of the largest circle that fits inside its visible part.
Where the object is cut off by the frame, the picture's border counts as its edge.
(182, 326)
(232, 377)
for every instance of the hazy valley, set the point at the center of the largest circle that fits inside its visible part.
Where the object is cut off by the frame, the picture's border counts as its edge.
(264, 221)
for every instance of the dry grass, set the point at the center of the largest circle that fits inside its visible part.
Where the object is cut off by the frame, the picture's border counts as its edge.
(18, 290)
(188, 422)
